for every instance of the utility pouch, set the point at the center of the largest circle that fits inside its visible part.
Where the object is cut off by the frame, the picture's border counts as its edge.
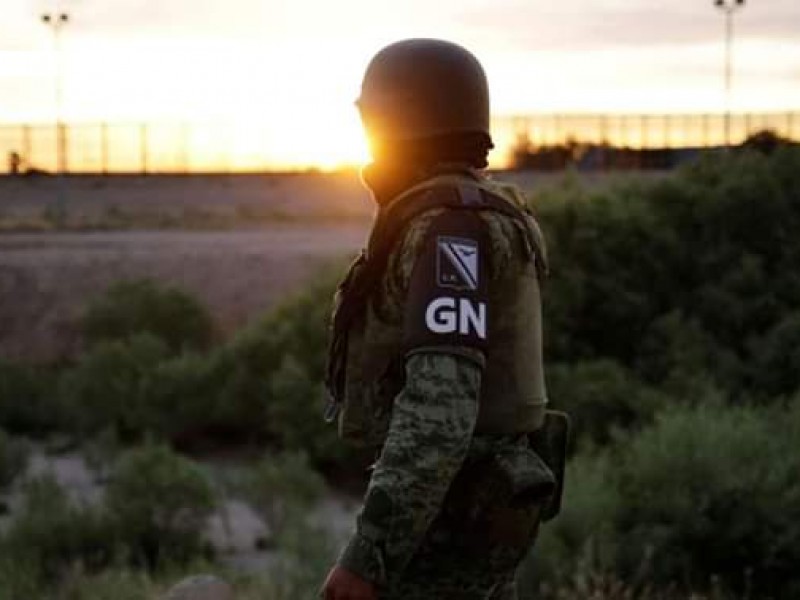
(497, 500)
(550, 442)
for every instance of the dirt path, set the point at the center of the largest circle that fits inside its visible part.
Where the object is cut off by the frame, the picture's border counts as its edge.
(46, 279)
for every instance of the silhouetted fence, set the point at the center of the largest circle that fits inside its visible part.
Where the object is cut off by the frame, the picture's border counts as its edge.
(219, 147)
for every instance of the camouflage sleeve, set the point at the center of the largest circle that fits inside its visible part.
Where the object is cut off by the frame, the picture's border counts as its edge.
(431, 428)
(432, 423)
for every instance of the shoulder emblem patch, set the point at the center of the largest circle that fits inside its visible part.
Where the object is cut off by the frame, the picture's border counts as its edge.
(457, 263)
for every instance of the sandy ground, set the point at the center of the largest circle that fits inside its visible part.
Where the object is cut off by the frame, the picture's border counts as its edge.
(47, 279)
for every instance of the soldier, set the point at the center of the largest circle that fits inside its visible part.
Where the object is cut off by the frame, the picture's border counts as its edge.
(436, 352)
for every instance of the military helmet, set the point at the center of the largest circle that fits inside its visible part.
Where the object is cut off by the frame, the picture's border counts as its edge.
(423, 88)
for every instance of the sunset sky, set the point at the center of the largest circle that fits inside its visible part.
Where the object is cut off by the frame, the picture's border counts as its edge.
(292, 68)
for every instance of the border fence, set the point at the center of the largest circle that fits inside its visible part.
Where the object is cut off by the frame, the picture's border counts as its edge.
(220, 147)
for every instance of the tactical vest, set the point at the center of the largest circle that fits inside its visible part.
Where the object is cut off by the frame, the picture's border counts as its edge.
(366, 355)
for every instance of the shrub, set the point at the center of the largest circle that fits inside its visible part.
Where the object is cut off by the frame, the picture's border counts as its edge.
(282, 488)
(708, 493)
(777, 364)
(107, 386)
(601, 396)
(307, 552)
(682, 359)
(184, 394)
(714, 491)
(276, 369)
(51, 533)
(703, 260)
(159, 503)
(144, 306)
(17, 579)
(28, 402)
(13, 459)
(294, 415)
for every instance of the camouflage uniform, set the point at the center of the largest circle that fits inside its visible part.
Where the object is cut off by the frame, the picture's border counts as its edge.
(436, 520)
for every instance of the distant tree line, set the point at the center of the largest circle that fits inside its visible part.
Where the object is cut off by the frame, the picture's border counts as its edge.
(594, 157)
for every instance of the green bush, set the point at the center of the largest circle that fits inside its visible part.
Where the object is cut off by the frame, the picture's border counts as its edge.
(18, 579)
(282, 488)
(159, 503)
(28, 400)
(143, 306)
(307, 552)
(601, 397)
(703, 260)
(264, 385)
(777, 366)
(185, 394)
(276, 373)
(294, 415)
(714, 491)
(683, 360)
(107, 387)
(51, 533)
(13, 459)
(709, 493)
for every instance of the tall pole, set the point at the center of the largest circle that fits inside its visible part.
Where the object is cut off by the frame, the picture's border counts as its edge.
(57, 21)
(729, 7)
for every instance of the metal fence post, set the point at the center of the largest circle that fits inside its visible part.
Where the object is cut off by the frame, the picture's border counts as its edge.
(63, 145)
(104, 148)
(183, 149)
(27, 146)
(143, 148)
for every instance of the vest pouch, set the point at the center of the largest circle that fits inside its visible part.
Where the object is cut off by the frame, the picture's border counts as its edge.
(367, 408)
(527, 478)
(497, 501)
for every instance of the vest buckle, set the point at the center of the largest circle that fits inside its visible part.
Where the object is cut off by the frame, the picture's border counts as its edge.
(331, 410)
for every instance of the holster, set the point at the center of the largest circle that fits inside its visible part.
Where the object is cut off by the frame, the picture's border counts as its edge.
(550, 443)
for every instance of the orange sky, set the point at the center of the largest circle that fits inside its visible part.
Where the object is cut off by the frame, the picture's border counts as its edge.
(290, 70)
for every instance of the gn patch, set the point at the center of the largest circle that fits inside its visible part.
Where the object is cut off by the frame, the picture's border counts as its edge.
(457, 263)
(447, 296)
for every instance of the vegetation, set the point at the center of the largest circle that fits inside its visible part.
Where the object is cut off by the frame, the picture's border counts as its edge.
(141, 306)
(27, 403)
(159, 503)
(13, 459)
(672, 338)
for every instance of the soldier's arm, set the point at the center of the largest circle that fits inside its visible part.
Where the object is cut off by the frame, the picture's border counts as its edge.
(434, 416)
(431, 428)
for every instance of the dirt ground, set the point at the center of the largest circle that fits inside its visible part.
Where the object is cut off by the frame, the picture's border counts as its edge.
(47, 279)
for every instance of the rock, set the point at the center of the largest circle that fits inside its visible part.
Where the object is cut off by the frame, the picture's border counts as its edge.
(200, 587)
